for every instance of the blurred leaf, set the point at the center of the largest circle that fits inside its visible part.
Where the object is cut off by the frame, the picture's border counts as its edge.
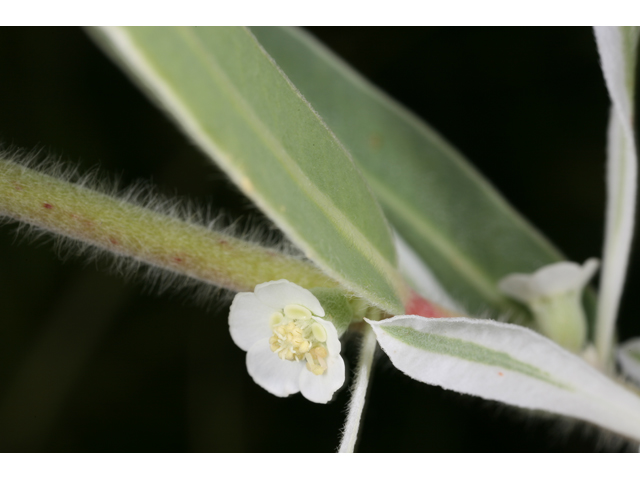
(468, 235)
(629, 358)
(618, 47)
(422, 279)
(228, 95)
(507, 363)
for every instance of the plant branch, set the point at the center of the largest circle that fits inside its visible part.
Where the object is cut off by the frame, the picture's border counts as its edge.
(158, 239)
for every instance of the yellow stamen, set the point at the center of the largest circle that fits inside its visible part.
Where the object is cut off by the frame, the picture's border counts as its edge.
(297, 312)
(298, 340)
(320, 352)
(315, 369)
(319, 332)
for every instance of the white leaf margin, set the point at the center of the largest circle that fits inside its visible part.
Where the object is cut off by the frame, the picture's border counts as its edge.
(507, 363)
(629, 359)
(617, 47)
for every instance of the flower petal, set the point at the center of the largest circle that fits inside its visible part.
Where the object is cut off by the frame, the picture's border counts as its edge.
(549, 280)
(249, 320)
(589, 269)
(278, 377)
(564, 276)
(280, 293)
(557, 278)
(518, 286)
(333, 343)
(320, 388)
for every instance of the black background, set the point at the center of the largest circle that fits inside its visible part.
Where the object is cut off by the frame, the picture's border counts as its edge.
(90, 361)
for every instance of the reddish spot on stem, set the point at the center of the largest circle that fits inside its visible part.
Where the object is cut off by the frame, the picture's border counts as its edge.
(223, 242)
(48, 206)
(18, 187)
(114, 241)
(501, 374)
(85, 222)
(419, 306)
(178, 259)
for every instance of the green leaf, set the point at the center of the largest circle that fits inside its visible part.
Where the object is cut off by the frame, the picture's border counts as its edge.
(232, 100)
(507, 363)
(468, 235)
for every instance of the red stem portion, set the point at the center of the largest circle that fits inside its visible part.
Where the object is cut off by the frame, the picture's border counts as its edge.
(424, 308)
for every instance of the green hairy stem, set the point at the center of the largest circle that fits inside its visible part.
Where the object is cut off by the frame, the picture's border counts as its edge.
(143, 234)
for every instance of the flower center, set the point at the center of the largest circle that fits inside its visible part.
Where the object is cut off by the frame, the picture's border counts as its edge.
(297, 336)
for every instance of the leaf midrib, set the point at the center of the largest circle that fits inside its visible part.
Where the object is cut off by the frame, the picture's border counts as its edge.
(457, 259)
(378, 95)
(333, 213)
(353, 235)
(468, 351)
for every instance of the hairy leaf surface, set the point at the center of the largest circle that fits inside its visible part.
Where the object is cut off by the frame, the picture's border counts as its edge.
(233, 101)
(508, 363)
(468, 235)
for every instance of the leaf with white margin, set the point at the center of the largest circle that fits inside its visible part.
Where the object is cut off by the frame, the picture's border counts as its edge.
(618, 51)
(236, 104)
(629, 359)
(507, 363)
(462, 228)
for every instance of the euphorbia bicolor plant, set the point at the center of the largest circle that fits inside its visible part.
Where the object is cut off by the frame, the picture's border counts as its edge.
(387, 251)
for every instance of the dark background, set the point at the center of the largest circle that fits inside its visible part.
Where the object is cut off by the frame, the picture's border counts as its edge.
(90, 361)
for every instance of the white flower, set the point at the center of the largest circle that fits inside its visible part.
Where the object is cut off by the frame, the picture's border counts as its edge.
(554, 295)
(290, 348)
(548, 281)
